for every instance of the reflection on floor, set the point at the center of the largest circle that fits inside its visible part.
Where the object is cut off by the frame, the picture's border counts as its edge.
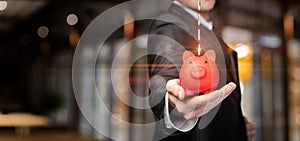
(45, 136)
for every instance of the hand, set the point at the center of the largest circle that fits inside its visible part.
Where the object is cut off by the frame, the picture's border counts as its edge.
(250, 129)
(196, 106)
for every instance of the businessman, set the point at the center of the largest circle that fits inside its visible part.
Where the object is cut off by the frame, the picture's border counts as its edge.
(212, 117)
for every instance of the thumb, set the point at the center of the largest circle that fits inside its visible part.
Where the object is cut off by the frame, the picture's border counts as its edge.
(175, 89)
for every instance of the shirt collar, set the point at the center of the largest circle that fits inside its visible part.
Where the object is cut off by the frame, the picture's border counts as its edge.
(208, 25)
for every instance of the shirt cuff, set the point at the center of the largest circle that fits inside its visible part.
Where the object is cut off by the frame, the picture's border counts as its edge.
(175, 120)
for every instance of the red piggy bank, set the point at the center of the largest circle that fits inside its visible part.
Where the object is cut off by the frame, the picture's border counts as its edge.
(199, 74)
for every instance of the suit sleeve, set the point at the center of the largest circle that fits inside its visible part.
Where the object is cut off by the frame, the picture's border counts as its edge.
(166, 43)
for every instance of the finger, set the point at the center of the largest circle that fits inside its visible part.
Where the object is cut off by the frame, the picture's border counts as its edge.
(250, 125)
(212, 99)
(221, 94)
(227, 89)
(250, 135)
(246, 119)
(175, 89)
(250, 131)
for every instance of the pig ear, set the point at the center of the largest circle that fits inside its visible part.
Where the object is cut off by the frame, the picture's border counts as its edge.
(186, 55)
(211, 55)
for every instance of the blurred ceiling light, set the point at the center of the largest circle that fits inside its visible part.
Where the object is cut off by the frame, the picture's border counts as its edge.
(233, 35)
(3, 5)
(72, 19)
(43, 31)
(242, 50)
(270, 41)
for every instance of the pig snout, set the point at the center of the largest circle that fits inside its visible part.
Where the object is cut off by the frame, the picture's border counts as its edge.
(198, 72)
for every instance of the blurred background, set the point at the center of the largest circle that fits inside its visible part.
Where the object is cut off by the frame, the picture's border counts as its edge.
(38, 39)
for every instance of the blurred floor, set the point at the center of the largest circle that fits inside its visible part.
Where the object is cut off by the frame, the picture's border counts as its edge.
(46, 136)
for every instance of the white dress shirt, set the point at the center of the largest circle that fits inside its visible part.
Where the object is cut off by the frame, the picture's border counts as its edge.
(207, 24)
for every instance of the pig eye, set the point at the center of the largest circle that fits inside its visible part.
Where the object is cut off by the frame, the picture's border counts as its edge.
(190, 62)
(205, 62)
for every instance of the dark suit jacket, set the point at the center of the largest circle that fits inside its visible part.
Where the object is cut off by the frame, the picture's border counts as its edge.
(174, 33)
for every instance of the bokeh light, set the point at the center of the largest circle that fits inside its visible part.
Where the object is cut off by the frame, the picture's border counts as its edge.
(43, 31)
(3, 5)
(72, 19)
(243, 50)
